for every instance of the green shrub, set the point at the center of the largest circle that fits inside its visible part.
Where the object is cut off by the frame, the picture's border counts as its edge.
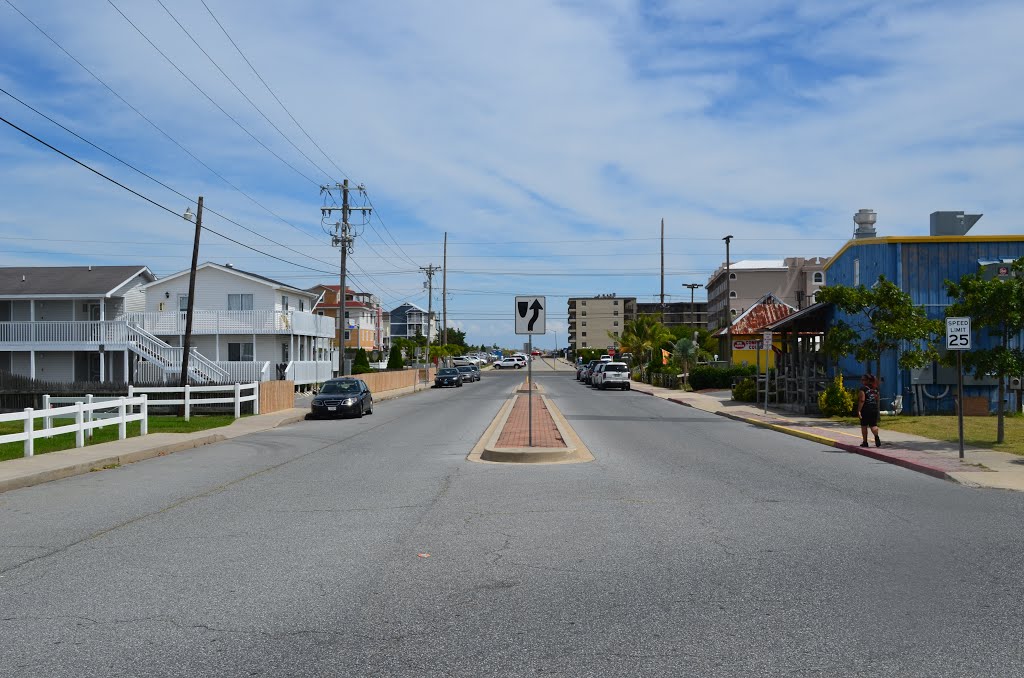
(745, 391)
(395, 361)
(837, 400)
(709, 376)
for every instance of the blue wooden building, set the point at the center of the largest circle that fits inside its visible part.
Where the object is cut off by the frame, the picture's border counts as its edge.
(920, 265)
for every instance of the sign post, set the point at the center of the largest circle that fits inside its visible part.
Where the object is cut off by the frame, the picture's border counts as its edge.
(767, 352)
(958, 338)
(531, 319)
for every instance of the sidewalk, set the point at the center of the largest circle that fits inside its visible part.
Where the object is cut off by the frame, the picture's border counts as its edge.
(980, 467)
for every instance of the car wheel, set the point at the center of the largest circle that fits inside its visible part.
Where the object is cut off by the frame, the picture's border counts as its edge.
(370, 411)
(458, 385)
(626, 387)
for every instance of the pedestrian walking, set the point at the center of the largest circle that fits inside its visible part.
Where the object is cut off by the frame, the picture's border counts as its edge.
(867, 408)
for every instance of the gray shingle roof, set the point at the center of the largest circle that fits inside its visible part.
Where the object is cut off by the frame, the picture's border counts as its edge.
(77, 281)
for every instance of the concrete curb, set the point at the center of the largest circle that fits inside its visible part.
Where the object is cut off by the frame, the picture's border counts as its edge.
(525, 455)
(873, 453)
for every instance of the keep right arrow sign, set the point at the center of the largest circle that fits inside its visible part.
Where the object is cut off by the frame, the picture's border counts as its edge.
(531, 315)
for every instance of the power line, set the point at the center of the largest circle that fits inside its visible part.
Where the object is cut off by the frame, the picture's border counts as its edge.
(239, 90)
(148, 199)
(272, 93)
(154, 179)
(154, 125)
(208, 97)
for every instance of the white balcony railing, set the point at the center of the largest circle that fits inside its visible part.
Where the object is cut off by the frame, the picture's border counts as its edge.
(64, 332)
(236, 322)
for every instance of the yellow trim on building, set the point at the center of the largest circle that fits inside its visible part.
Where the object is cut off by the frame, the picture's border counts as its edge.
(899, 239)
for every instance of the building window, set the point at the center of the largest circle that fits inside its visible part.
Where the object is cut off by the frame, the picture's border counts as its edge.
(240, 352)
(319, 312)
(346, 335)
(584, 314)
(284, 302)
(615, 303)
(584, 344)
(819, 277)
(239, 302)
(732, 294)
(284, 352)
(616, 334)
(183, 302)
(302, 305)
(583, 303)
(856, 272)
(615, 312)
(583, 323)
(615, 324)
(584, 334)
(732, 276)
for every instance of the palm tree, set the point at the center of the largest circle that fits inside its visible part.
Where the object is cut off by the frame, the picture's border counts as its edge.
(642, 336)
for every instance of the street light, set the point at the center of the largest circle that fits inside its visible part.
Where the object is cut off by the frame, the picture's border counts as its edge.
(692, 287)
(728, 303)
(556, 342)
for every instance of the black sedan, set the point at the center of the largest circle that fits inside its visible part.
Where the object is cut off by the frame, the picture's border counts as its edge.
(448, 376)
(342, 397)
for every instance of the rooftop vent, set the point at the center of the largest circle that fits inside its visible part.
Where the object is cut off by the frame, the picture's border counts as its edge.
(865, 220)
(951, 223)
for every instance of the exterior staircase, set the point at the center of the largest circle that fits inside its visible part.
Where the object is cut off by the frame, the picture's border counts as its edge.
(168, 358)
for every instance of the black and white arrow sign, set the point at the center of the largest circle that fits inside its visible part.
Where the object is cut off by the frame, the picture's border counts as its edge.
(530, 315)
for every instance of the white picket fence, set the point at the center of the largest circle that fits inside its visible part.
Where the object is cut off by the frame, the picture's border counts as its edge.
(186, 396)
(85, 416)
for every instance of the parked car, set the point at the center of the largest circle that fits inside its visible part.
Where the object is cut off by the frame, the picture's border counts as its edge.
(595, 373)
(508, 364)
(448, 376)
(341, 397)
(469, 373)
(476, 371)
(612, 375)
(462, 360)
(587, 370)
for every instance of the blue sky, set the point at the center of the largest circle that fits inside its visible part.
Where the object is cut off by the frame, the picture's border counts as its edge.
(547, 138)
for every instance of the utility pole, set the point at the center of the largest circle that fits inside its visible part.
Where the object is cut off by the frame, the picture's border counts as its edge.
(444, 294)
(344, 239)
(663, 271)
(187, 343)
(430, 270)
(728, 303)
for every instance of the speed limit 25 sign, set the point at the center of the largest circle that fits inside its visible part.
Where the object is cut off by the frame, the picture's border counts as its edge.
(958, 334)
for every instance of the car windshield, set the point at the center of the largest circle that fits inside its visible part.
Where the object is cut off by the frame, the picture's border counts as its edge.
(340, 387)
(447, 372)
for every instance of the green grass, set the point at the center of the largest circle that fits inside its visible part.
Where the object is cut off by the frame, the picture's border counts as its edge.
(978, 431)
(64, 441)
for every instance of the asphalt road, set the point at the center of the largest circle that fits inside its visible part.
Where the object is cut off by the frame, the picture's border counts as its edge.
(693, 545)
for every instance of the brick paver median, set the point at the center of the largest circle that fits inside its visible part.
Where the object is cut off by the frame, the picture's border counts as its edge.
(515, 433)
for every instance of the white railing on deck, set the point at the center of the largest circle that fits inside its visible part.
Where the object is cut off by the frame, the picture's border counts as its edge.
(85, 420)
(236, 322)
(308, 371)
(64, 331)
(242, 372)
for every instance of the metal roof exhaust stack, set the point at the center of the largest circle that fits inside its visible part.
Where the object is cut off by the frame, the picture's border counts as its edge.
(865, 220)
(951, 223)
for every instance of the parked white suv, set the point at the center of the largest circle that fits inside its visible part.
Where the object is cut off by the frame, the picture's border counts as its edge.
(612, 375)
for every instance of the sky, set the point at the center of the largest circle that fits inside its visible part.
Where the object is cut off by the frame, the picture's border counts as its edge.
(547, 138)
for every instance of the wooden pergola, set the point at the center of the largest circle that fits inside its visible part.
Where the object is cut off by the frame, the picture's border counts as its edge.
(802, 366)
